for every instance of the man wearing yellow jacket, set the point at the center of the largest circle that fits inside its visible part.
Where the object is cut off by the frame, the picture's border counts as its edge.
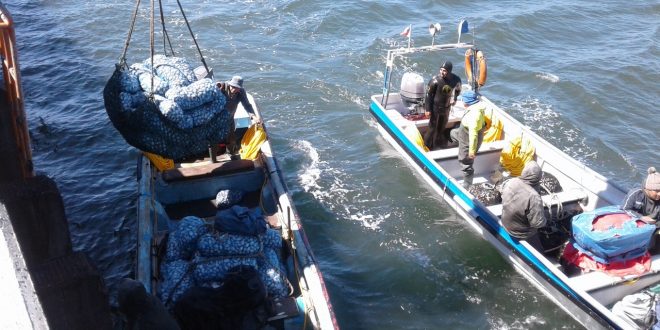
(470, 134)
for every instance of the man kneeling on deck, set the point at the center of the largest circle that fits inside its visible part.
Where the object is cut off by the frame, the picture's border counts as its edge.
(522, 207)
(470, 134)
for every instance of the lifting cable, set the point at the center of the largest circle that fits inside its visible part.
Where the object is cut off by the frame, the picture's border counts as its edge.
(122, 59)
(193, 36)
(166, 36)
(151, 49)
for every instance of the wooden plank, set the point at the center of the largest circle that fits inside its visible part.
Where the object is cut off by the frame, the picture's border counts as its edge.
(453, 152)
(207, 170)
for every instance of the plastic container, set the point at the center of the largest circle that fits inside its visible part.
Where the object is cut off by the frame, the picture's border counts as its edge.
(241, 118)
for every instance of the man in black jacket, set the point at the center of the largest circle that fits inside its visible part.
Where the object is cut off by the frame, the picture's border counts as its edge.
(441, 93)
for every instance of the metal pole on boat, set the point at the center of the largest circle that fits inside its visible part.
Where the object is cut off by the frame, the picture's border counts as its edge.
(213, 152)
(409, 34)
(389, 66)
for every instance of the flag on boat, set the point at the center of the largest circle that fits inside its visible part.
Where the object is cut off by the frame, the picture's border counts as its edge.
(406, 32)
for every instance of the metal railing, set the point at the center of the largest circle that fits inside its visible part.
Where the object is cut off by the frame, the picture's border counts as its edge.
(14, 101)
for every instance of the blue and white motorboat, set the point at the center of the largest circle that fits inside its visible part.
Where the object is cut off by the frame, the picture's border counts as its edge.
(586, 296)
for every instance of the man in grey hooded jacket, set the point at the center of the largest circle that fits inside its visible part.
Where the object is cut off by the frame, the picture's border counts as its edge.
(522, 207)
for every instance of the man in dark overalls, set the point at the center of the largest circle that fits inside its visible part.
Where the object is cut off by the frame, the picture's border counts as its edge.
(441, 94)
(234, 93)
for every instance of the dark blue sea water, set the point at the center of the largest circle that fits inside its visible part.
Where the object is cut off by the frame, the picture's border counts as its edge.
(581, 74)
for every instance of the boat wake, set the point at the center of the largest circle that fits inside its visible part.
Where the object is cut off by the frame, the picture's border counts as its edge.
(328, 186)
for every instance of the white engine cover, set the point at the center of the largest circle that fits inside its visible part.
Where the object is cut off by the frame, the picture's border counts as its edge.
(412, 87)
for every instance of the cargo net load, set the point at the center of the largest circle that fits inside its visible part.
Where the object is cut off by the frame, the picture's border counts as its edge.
(161, 105)
(172, 114)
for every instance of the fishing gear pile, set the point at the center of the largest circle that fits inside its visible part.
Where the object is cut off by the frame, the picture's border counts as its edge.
(489, 194)
(169, 113)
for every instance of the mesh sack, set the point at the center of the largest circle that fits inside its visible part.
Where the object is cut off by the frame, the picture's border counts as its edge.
(273, 275)
(177, 279)
(193, 95)
(182, 242)
(208, 271)
(272, 239)
(146, 128)
(226, 198)
(214, 245)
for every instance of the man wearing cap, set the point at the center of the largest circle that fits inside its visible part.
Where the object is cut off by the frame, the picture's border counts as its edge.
(441, 94)
(234, 92)
(470, 134)
(645, 201)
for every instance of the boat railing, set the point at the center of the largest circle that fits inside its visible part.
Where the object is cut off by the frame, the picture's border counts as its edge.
(404, 51)
(14, 100)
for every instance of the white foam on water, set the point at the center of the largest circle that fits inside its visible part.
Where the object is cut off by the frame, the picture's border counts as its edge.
(327, 185)
(547, 123)
(548, 77)
(312, 172)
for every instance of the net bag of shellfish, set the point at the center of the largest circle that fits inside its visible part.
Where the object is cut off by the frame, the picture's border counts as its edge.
(162, 108)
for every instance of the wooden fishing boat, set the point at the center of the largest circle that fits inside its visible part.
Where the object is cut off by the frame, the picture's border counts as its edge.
(189, 189)
(586, 296)
(217, 232)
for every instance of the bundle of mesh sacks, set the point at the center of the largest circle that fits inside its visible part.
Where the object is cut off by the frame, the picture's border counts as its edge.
(161, 107)
(199, 256)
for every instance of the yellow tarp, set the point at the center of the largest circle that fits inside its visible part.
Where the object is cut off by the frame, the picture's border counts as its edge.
(494, 127)
(252, 141)
(160, 162)
(414, 135)
(516, 154)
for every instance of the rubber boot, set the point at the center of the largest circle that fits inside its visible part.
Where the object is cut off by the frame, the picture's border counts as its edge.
(467, 180)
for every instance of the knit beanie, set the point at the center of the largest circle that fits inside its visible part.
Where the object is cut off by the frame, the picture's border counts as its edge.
(447, 66)
(652, 181)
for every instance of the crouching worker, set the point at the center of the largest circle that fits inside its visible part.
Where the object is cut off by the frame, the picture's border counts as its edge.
(234, 93)
(470, 134)
(522, 207)
(645, 201)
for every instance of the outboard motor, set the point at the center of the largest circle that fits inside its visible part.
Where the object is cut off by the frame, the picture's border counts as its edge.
(412, 92)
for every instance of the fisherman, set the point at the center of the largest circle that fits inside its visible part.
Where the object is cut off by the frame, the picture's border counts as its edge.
(234, 93)
(522, 207)
(645, 201)
(469, 134)
(438, 102)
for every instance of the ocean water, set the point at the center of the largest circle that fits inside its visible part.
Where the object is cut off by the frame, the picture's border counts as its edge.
(581, 74)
